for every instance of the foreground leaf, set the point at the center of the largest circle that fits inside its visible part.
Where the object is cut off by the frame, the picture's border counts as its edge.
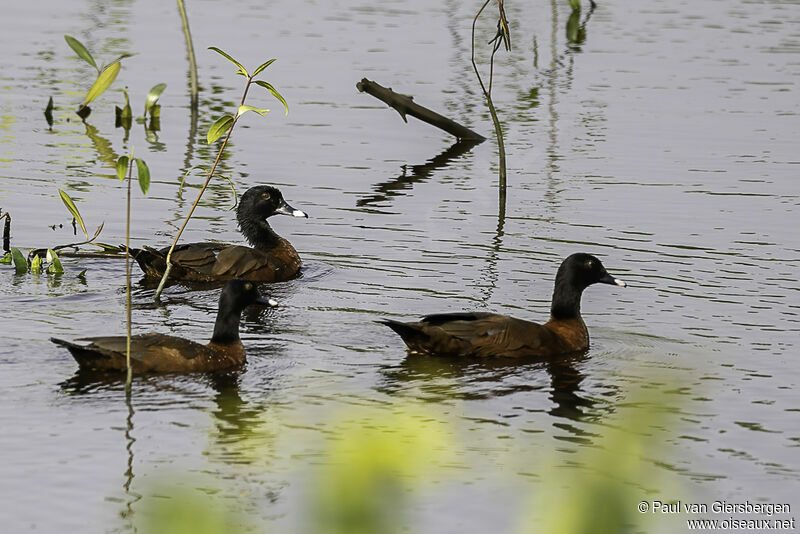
(55, 266)
(122, 167)
(274, 92)
(79, 49)
(218, 128)
(102, 82)
(6, 259)
(36, 264)
(244, 109)
(241, 70)
(20, 263)
(575, 4)
(152, 97)
(263, 66)
(144, 175)
(73, 209)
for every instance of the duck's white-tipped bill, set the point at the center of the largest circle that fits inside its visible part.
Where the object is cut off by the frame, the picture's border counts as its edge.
(620, 283)
(298, 213)
(272, 302)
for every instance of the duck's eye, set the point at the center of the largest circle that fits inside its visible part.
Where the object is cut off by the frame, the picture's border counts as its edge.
(248, 286)
(265, 196)
(590, 264)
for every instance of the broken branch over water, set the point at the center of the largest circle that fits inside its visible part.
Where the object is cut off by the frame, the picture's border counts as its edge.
(405, 105)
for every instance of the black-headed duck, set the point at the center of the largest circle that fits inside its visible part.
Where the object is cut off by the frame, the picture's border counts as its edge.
(160, 353)
(488, 334)
(271, 258)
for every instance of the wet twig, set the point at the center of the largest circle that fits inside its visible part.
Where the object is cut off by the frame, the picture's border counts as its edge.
(405, 105)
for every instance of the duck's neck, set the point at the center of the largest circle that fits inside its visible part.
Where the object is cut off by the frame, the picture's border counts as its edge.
(566, 301)
(226, 329)
(258, 233)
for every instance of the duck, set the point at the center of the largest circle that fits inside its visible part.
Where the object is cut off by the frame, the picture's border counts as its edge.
(270, 258)
(161, 353)
(483, 334)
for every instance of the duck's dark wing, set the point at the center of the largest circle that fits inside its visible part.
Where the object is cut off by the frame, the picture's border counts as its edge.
(149, 352)
(206, 262)
(473, 334)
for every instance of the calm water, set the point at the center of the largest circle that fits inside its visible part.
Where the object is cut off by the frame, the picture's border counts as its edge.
(665, 143)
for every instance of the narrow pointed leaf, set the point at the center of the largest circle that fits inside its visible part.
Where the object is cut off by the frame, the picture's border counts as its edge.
(244, 109)
(144, 175)
(263, 66)
(122, 167)
(55, 266)
(79, 49)
(575, 4)
(48, 112)
(6, 259)
(102, 82)
(73, 209)
(241, 70)
(20, 263)
(152, 97)
(274, 92)
(219, 128)
(97, 232)
(120, 58)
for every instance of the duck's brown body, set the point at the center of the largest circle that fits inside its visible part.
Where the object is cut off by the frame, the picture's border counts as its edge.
(210, 262)
(270, 259)
(488, 334)
(160, 353)
(154, 353)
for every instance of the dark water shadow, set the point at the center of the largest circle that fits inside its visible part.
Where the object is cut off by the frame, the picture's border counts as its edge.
(416, 173)
(480, 379)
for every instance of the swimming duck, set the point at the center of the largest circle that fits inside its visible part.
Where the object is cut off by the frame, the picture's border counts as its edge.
(160, 353)
(490, 334)
(271, 258)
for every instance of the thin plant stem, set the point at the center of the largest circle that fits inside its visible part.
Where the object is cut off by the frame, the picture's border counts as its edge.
(497, 127)
(190, 51)
(129, 377)
(202, 190)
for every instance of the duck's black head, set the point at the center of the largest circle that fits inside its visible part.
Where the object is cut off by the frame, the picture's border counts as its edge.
(575, 274)
(235, 297)
(255, 207)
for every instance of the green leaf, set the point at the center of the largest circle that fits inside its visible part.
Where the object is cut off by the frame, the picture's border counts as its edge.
(36, 265)
(244, 109)
(122, 167)
(263, 66)
(102, 82)
(152, 97)
(575, 5)
(79, 49)
(55, 266)
(274, 92)
(218, 128)
(155, 112)
(20, 263)
(144, 175)
(126, 111)
(6, 259)
(120, 58)
(73, 209)
(241, 70)
(48, 112)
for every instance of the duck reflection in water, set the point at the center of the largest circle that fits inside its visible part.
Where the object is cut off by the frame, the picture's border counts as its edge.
(441, 379)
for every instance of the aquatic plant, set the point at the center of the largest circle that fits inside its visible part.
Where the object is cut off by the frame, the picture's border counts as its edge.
(224, 126)
(105, 75)
(125, 166)
(502, 37)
